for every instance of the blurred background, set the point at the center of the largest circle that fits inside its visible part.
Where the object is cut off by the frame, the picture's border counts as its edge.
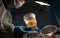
(6, 2)
(54, 7)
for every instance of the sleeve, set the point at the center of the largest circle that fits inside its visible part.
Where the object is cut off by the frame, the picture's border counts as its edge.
(5, 19)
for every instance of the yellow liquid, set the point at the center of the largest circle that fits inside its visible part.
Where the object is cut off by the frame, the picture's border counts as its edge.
(31, 24)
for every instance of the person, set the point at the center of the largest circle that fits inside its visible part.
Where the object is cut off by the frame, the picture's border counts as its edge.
(6, 26)
(42, 13)
(22, 7)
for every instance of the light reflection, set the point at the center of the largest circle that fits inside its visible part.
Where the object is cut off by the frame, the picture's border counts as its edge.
(30, 20)
(42, 3)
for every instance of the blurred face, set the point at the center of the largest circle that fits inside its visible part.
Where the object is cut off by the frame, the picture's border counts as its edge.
(19, 0)
(18, 3)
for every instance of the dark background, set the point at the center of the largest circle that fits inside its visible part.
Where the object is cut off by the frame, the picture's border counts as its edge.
(6, 2)
(46, 1)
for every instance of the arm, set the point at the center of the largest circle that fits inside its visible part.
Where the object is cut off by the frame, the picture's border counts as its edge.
(5, 19)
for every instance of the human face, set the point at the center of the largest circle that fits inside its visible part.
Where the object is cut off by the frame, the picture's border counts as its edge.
(19, 0)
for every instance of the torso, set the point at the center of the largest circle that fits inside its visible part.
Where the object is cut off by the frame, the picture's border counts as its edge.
(42, 16)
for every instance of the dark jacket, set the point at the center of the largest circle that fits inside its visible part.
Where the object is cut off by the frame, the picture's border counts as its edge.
(43, 14)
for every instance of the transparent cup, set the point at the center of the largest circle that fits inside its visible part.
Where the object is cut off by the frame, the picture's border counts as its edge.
(31, 23)
(30, 20)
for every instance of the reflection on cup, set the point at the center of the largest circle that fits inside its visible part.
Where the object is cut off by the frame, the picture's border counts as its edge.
(30, 20)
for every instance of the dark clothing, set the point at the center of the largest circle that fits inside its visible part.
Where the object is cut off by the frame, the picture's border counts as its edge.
(18, 33)
(43, 15)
